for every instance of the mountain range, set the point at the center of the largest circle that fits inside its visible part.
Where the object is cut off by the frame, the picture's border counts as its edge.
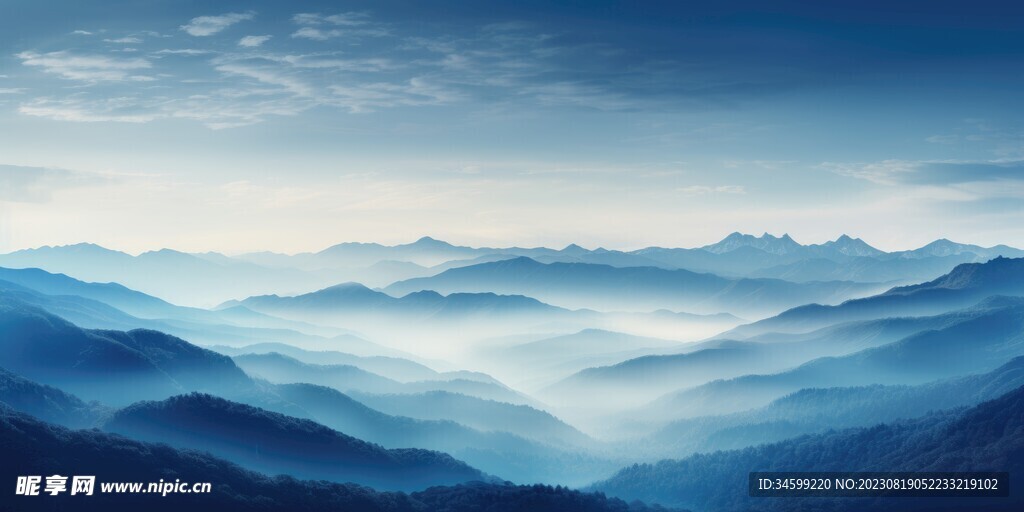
(608, 288)
(915, 359)
(964, 285)
(274, 443)
(205, 279)
(986, 437)
(816, 410)
(41, 446)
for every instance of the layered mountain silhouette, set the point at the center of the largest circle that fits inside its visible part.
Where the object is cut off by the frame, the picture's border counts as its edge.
(349, 300)
(114, 366)
(964, 285)
(274, 443)
(987, 336)
(40, 446)
(508, 455)
(647, 377)
(607, 288)
(814, 410)
(95, 306)
(209, 278)
(478, 413)
(395, 368)
(180, 277)
(987, 437)
(47, 402)
(282, 369)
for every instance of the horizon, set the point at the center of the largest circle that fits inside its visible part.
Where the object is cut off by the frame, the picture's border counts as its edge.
(227, 127)
(556, 247)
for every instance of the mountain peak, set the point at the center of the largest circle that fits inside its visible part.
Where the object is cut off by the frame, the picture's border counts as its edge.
(766, 242)
(573, 249)
(349, 287)
(850, 246)
(431, 242)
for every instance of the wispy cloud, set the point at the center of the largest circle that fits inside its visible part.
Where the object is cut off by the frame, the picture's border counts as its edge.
(124, 40)
(182, 51)
(318, 34)
(209, 25)
(348, 19)
(510, 65)
(20, 184)
(904, 172)
(253, 41)
(369, 97)
(701, 190)
(88, 68)
(77, 109)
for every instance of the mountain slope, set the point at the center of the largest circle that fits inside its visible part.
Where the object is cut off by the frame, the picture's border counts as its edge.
(607, 288)
(113, 366)
(964, 285)
(282, 369)
(395, 368)
(274, 443)
(179, 277)
(485, 415)
(988, 437)
(649, 376)
(509, 455)
(814, 410)
(958, 349)
(46, 402)
(39, 447)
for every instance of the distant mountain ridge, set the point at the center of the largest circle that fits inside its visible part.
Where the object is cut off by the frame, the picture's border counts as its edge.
(205, 279)
(609, 288)
(963, 286)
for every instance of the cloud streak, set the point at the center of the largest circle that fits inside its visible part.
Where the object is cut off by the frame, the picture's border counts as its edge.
(253, 41)
(20, 184)
(87, 68)
(903, 172)
(204, 26)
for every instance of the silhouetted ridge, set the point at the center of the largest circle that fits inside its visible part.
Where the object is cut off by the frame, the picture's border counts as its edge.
(272, 442)
(40, 447)
(988, 437)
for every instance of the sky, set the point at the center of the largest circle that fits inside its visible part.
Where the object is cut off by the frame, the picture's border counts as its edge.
(292, 126)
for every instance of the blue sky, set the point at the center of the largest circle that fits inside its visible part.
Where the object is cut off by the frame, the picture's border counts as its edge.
(289, 126)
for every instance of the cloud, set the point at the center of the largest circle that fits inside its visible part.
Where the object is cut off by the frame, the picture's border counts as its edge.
(122, 110)
(183, 51)
(88, 68)
(349, 19)
(82, 33)
(701, 190)
(208, 25)
(19, 184)
(355, 25)
(903, 172)
(253, 41)
(886, 172)
(943, 139)
(317, 34)
(361, 98)
(124, 40)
